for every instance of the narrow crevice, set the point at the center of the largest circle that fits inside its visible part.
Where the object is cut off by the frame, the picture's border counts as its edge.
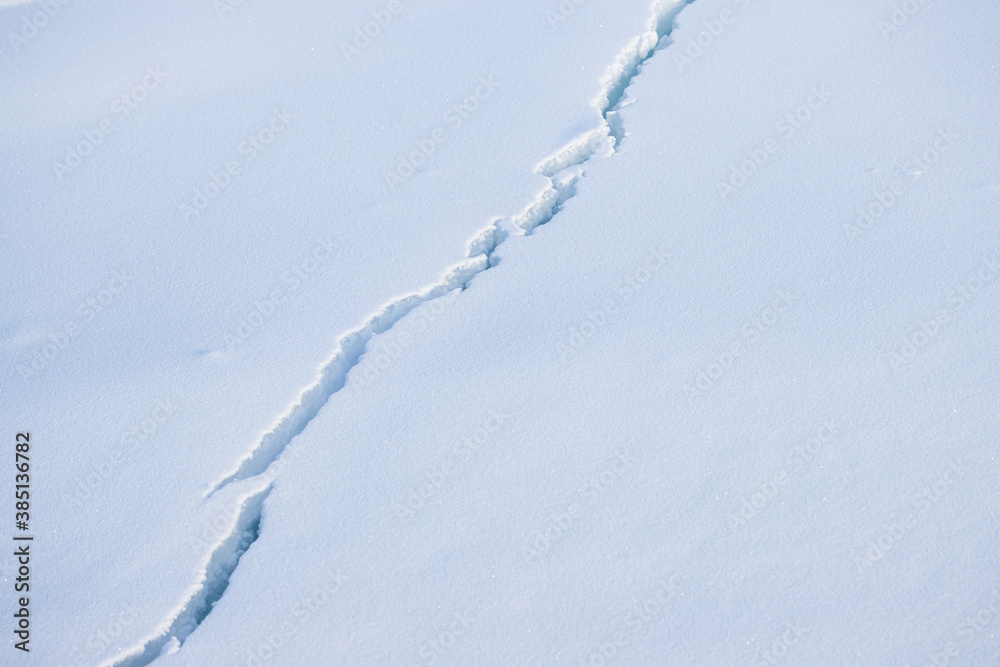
(333, 374)
(564, 170)
(564, 167)
(212, 585)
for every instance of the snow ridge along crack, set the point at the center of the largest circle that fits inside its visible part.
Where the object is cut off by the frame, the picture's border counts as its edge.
(350, 348)
(564, 169)
(214, 581)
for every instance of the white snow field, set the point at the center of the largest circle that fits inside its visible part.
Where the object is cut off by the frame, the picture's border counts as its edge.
(518, 333)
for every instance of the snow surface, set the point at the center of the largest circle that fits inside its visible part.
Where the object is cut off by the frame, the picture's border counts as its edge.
(619, 374)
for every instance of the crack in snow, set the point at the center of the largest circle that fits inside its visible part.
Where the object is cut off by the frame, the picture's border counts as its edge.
(351, 347)
(564, 169)
(214, 581)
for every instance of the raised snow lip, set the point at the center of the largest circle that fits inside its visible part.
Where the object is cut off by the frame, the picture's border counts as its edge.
(564, 169)
(350, 348)
(212, 584)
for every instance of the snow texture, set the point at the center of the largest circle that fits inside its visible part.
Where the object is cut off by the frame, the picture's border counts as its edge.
(503, 333)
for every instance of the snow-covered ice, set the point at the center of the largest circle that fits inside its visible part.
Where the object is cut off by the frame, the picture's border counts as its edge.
(503, 333)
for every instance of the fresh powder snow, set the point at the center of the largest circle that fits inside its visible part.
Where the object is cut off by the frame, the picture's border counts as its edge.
(523, 333)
